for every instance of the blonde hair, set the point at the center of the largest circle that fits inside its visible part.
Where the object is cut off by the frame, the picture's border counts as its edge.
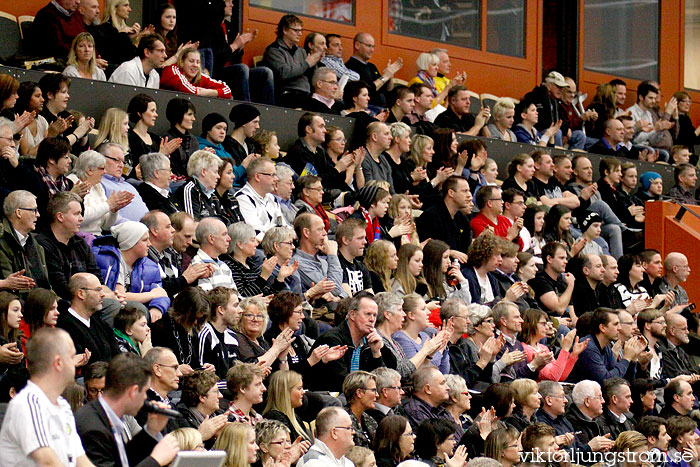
(110, 14)
(383, 184)
(188, 438)
(258, 302)
(73, 60)
(265, 432)
(394, 211)
(376, 259)
(501, 105)
(407, 280)
(110, 129)
(181, 60)
(234, 440)
(359, 455)
(418, 145)
(522, 389)
(279, 389)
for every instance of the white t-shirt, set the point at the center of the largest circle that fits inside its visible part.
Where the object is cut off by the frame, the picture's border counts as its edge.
(32, 422)
(487, 293)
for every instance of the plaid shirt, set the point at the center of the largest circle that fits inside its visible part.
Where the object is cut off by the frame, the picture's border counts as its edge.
(236, 415)
(222, 274)
(169, 261)
(62, 183)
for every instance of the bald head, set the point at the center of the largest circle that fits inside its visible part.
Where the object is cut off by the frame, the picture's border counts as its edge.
(676, 266)
(51, 350)
(677, 329)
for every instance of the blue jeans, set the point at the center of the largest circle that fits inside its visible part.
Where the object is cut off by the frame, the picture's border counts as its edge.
(256, 85)
(577, 140)
(207, 56)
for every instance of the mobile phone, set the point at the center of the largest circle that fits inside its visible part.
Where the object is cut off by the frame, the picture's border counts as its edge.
(691, 308)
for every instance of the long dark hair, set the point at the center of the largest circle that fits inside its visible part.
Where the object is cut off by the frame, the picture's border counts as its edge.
(386, 439)
(529, 220)
(187, 305)
(170, 36)
(430, 434)
(24, 95)
(9, 333)
(639, 388)
(443, 141)
(432, 267)
(36, 305)
(624, 266)
(551, 226)
(531, 318)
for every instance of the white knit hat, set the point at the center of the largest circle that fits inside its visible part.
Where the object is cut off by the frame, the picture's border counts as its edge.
(128, 233)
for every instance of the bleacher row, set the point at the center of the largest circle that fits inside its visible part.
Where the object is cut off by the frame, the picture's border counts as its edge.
(94, 97)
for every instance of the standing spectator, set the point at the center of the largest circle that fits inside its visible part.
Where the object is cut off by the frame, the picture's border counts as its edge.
(54, 28)
(197, 197)
(181, 115)
(82, 59)
(290, 62)
(142, 70)
(363, 46)
(186, 77)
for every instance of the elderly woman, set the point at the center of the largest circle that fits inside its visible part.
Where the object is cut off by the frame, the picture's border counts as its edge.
(360, 391)
(250, 275)
(278, 243)
(459, 403)
(197, 197)
(427, 64)
(309, 196)
(275, 443)
(186, 76)
(527, 401)
(503, 119)
(199, 404)
(99, 212)
(251, 345)
(390, 319)
(286, 312)
(82, 60)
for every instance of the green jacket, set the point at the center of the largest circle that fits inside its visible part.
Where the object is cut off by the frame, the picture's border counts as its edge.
(14, 257)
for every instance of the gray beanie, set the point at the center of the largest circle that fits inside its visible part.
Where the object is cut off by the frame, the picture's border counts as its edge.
(128, 233)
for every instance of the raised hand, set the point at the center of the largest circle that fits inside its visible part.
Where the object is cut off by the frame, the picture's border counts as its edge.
(167, 146)
(579, 347)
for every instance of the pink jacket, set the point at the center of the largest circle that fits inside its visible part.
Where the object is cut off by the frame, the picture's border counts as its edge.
(557, 370)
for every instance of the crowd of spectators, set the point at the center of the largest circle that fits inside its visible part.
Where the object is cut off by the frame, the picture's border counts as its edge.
(435, 311)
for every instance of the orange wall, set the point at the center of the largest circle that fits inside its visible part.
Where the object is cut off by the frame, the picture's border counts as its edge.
(26, 7)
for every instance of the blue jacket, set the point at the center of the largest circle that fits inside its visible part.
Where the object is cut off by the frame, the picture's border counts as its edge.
(599, 364)
(145, 274)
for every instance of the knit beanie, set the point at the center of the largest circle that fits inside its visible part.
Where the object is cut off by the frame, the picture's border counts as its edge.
(366, 195)
(591, 218)
(210, 121)
(646, 179)
(128, 233)
(242, 114)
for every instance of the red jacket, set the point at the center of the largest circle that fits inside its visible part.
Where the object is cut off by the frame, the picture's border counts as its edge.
(173, 79)
(480, 222)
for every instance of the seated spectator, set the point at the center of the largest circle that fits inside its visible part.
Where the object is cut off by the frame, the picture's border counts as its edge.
(374, 164)
(12, 357)
(527, 118)
(309, 198)
(132, 332)
(331, 442)
(521, 170)
(415, 342)
(53, 163)
(314, 42)
(90, 334)
(54, 87)
(212, 236)
(527, 270)
(181, 115)
(656, 128)
(459, 403)
(360, 391)
(239, 144)
(324, 87)
(236, 439)
(285, 395)
(117, 13)
(686, 178)
(213, 134)
(155, 189)
(586, 409)
(199, 405)
(389, 393)
(142, 114)
(402, 102)
(682, 433)
(22, 259)
(289, 62)
(430, 391)
(613, 137)
(230, 209)
(166, 375)
(686, 129)
(245, 382)
(598, 362)
(457, 116)
(678, 399)
(553, 286)
(643, 400)
(94, 379)
(589, 291)
(265, 143)
(40, 310)
(217, 340)
(469, 357)
(404, 173)
(503, 119)
(630, 276)
(197, 197)
(30, 99)
(256, 201)
(351, 245)
(363, 48)
(186, 77)
(656, 432)
(279, 242)
(50, 356)
(126, 269)
(503, 445)
(421, 118)
(82, 59)
(534, 330)
(361, 457)
(677, 272)
(334, 146)
(114, 128)
(618, 400)
(113, 182)
(274, 440)
(401, 213)
(436, 441)
(436, 256)
(249, 333)
(314, 268)
(249, 274)
(373, 205)
(489, 200)
(142, 70)
(333, 58)
(99, 212)
(179, 328)
(57, 24)
(394, 441)
(356, 102)
(381, 261)
(447, 155)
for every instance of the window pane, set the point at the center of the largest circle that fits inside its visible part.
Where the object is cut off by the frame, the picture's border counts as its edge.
(505, 27)
(342, 11)
(692, 44)
(622, 38)
(447, 21)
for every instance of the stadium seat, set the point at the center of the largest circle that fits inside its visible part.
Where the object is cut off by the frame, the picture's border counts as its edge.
(25, 22)
(257, 59)
(9, 31)
(489, 100)
(398, 81)
(475, 103)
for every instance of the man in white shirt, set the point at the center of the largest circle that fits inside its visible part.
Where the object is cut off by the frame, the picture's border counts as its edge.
(333, 439)
(258, 205)
(39, 428)
(142, 69)
(213, 239)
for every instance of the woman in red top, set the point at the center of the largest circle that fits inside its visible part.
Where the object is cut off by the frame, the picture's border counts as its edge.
(40, 309)
(186, 76)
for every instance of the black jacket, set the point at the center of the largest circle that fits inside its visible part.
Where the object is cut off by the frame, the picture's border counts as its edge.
(316, 106)
(180, 156)
(549, 109)
(15, 257)
(437, 224)
(98, 440)
(610, 424)
(156, 201)
(191, 199)
(299, 156)
(589, 428)
(561, 426)
(98, 338)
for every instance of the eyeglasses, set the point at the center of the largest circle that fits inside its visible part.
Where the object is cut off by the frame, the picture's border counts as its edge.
(332, 83)
(298, 30)
(269, 175)
(411, 434)
(283, 442)
(496, 199)
(370, 46)
(559, 397)
(34, 210)
(661, 321)
(118, 161)
(94, 391)
(298, 312)
(96, 289)
(11, 139)
(349, 428)
(172, 367)
(290, 243)
(253, 317)
(315, 188)
(374, 390)
(398, 388)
